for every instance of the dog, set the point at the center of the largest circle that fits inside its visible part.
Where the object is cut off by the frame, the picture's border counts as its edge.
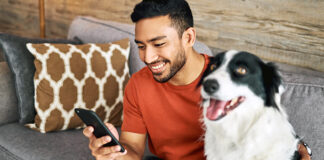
(242, 113)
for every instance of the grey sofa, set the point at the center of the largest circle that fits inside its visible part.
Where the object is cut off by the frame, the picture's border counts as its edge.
(304, 99)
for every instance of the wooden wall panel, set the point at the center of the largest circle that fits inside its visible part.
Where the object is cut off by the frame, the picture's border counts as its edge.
(60, 13)
(290, 31)
(19, 17)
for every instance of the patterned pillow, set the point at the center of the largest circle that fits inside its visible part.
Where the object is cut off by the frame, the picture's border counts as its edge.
(91, 76)
(21, 65)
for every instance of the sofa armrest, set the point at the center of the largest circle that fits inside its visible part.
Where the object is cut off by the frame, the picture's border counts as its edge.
(8, 99)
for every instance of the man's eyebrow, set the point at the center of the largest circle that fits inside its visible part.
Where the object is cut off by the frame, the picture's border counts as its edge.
(157, 38)
(136, 41)
(151, 40)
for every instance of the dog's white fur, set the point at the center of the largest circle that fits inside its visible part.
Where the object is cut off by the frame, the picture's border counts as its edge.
(251, 131)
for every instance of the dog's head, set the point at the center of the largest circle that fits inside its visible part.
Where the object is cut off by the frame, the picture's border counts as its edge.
(238, 82)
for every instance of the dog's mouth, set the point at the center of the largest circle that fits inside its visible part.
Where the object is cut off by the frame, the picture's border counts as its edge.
(218, 109)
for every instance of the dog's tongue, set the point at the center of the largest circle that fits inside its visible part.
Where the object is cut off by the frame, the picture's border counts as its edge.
(216, 109)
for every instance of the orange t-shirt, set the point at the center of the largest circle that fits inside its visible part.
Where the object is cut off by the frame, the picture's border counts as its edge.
(169, 114)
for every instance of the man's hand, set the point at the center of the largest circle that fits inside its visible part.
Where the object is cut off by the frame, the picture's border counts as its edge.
(303, 152)
(96, 144)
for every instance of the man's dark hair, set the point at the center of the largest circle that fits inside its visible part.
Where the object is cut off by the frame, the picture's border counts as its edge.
(178, 11)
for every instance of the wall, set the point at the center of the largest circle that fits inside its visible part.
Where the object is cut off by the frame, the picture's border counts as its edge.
(287, 31)
(21, 16)
(290, 31)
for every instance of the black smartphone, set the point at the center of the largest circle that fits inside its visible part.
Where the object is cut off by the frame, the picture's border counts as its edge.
(90, 118)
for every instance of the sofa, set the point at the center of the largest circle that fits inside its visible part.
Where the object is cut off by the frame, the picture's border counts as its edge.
(303, 98)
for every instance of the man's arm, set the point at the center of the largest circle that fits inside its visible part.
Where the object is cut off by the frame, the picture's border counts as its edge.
(134, 144)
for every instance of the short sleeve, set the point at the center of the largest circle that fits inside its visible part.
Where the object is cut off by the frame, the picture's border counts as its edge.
(133, 119)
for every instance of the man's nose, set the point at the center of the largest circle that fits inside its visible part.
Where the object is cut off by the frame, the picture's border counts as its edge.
(150, 55)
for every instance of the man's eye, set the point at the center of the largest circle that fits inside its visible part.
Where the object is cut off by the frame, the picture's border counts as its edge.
(140, 47)
(159, 44)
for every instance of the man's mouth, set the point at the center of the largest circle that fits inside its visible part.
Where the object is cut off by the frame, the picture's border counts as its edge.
(218, 109)
(157, 67)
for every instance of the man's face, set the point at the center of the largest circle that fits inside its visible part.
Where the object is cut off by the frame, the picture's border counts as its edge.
(160, 47)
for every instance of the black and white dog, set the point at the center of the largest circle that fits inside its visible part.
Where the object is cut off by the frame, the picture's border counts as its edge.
(243, 116)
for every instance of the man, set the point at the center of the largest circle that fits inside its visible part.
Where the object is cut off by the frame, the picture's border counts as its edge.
(161, 101)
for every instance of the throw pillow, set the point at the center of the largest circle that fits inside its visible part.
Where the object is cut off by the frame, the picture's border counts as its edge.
(90, 76)
(20, 62)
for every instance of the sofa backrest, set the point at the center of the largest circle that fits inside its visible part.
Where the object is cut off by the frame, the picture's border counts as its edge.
(8, 99)
(303, 99)
(92, 30)
(1, 55)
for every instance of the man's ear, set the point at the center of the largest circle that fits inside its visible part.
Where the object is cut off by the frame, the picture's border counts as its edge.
(189, 37)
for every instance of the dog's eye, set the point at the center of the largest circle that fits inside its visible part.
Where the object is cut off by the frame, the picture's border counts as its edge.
(241, 70)
(213, 67)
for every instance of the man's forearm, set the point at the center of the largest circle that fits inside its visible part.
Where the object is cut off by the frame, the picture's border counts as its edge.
(131, 154)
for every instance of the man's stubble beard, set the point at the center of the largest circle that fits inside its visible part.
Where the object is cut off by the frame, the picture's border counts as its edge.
(179, 62)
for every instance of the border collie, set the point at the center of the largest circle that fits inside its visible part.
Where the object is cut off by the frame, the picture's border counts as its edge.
(242, 113)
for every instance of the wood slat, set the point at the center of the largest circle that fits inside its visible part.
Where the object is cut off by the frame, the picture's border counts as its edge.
(290, 31)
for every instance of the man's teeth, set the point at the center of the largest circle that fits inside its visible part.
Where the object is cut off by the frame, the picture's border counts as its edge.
(159, 66)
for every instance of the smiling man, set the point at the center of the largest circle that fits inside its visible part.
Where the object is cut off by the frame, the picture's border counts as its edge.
(162, 100)
(164, 51)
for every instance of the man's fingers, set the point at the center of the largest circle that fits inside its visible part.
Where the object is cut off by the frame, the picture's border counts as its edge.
(113, 130)
(112, 151)
(111, 156)
(99, 142)
(88, 131)
(96, 144)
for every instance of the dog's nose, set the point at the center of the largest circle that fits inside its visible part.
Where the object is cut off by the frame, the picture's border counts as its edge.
(211, 86)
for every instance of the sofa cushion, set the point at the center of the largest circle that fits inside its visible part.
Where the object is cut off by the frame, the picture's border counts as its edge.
(91, 76)
(18, 142)
(8, 99)
(20, 62)
(92, 30)
(304, 99)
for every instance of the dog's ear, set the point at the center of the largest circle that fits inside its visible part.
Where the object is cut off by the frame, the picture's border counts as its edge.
(213, 64)
(272, 82)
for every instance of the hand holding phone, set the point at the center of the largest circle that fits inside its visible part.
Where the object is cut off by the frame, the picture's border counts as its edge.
(90, 118)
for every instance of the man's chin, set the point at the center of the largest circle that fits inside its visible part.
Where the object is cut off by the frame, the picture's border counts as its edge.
(160, 79)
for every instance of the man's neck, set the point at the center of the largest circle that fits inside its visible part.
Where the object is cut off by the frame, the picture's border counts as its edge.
(190, 71)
